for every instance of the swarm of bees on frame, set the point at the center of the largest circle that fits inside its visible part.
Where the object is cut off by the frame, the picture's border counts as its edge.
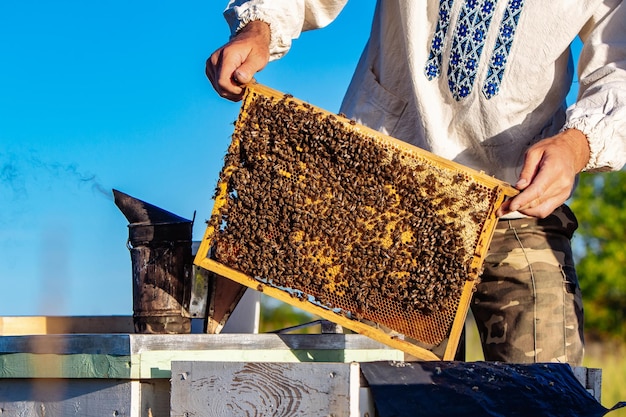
(354, 224)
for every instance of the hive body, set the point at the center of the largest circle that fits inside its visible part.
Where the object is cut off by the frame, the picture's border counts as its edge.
(349, 224)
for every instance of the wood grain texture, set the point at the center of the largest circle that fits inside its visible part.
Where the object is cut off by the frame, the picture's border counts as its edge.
(63, 398)
(32, 325)
(84, 397)
(150, 356)
(204, 389)
(223, 299)
(28, 365)
(125, 344)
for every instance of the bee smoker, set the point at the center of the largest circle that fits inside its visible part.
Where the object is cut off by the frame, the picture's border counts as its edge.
(161, 256)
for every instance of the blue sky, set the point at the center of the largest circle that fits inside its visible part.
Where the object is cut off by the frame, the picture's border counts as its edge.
(100, 95)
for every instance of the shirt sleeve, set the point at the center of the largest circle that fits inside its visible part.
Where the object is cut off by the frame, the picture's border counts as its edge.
(600, 111)
(286, 18)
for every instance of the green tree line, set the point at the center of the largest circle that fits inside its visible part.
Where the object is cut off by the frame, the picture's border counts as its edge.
(600, 251)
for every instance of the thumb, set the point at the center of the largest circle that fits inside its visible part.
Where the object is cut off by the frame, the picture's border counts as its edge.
(529, 169)
(242, 75)
(248, 68)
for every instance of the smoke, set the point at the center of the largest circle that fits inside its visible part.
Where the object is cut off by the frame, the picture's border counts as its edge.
(18, 174)
(72, 172)
(12, 179)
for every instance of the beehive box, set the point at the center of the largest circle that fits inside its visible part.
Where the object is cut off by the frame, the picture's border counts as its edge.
(105, 370)
(351, 225)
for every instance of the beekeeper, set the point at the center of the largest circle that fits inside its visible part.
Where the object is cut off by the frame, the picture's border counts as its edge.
(483, 83)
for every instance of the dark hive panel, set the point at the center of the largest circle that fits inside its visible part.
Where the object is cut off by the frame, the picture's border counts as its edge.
(315, 206)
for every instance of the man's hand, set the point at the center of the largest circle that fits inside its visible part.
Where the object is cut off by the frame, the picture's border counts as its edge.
(234, 64)
(548, 175)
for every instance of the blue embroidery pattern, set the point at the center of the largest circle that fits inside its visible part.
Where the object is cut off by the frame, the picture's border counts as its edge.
(433, 66)
(502, 48)
(467, 45)
(468, 42)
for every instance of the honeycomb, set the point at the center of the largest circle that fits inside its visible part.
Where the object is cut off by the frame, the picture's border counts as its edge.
(350, 221)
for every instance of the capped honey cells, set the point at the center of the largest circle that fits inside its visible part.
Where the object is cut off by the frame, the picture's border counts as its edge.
(312, 204)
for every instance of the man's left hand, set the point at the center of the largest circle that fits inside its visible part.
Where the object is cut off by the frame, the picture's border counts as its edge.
(548, 175)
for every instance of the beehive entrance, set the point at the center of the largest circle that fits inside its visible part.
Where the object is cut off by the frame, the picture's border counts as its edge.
(348, 224)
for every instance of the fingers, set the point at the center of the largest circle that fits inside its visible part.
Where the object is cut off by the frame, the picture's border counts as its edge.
(546, 179)
(529, 170)
(540, 207)
(525, 200)
(220, 71)
(230, 69)
(549, 188)
(235, 64)
(535, 205)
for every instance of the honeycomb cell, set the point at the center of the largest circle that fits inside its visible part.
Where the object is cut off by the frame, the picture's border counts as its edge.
(322, 209)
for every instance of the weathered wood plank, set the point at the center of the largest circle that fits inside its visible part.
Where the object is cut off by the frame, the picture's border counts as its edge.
(125, 344)
(591, 379)
(84, 397)
(207, 389)
(62, 398)
(111, 344)
(32, 325)
(154, 398)
(158, 364)
(223, 299)
(142, 343)
(150, 356)
(46, 365)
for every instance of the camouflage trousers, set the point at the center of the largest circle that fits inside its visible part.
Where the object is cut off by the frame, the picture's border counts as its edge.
(528, 305)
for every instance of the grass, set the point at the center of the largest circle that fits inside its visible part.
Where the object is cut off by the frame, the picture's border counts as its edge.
(611, 358)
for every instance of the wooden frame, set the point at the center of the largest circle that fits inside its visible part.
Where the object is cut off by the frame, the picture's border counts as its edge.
(500, 189)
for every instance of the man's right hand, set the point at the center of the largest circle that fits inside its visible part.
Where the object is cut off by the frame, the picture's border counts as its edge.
(234, 64)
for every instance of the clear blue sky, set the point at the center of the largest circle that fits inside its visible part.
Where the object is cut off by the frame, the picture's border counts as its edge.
(99, 95)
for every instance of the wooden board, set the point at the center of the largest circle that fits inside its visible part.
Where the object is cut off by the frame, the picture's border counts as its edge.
(150, 356)
(204, 389)
(213, 298)
(84, 397)
(30, 325)
(224, 296)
